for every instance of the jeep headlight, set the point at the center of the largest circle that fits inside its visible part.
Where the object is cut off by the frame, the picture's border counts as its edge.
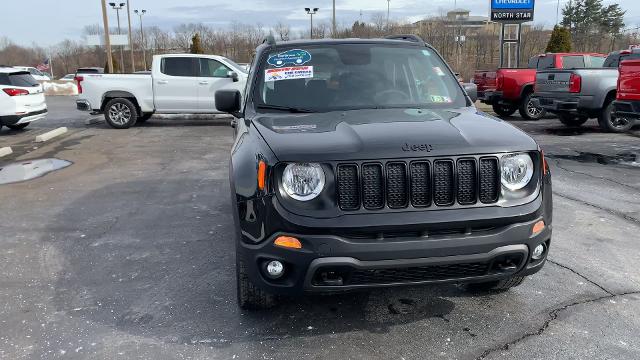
(303, 181)
(516, 171)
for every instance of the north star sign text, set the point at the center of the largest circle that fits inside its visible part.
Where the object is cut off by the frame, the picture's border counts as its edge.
(512, 4)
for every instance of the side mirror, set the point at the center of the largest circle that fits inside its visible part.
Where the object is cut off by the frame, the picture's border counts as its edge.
(233, 75)
(472, 91)
(228, 101)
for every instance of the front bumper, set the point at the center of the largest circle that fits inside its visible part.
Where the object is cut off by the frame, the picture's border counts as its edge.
(332, 260)
(629, 109)
(23, 118)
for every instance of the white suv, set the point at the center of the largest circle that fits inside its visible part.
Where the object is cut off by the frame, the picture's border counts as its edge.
(21, 99)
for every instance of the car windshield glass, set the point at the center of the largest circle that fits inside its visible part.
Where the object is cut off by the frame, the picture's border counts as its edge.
(356, 76)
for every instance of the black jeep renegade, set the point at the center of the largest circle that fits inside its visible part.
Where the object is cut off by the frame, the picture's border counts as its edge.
(364, 163)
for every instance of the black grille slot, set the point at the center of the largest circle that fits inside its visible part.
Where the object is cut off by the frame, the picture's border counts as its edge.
(420, 184)
(467, 181)
(489, 180)
(348, 187)
(397, 185)
(372, 186)
(417, 274)
(443, 181)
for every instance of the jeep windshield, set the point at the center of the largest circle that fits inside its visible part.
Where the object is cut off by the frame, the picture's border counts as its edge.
(331, 77)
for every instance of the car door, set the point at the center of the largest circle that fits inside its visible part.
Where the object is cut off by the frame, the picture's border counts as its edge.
(175, 85)
(214, 75)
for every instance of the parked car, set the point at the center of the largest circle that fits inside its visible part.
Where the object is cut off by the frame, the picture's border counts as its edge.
(21, 99)
(363, 163)
(35, 73)
(627, 104)
(90, 70)
(575, 95)
(68, 78)
(178, 84)
(508, 90)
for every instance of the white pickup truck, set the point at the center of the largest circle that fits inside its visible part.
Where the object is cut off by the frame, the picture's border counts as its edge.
(178, 84)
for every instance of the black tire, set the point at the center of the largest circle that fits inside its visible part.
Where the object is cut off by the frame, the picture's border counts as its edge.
(250, 297)
(529, 111)
(503, 110)
(145, 117)
(120, 113)
(18, 126)
(496, 286)
(611, 123)
(572, 120)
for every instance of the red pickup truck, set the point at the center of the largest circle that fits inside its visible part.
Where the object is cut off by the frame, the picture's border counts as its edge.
(627, 104)
(508, 90)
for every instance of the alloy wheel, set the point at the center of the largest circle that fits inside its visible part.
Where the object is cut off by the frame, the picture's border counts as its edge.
(120, 114)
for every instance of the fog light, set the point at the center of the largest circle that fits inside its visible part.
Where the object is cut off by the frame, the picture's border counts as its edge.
(538, 252)
(275, 269)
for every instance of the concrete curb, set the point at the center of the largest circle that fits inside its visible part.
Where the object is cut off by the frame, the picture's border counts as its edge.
(5, 151)
(51, 134)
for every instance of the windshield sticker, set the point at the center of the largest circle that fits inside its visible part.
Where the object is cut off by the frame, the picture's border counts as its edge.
(440, 99)
(290, 57)
(438, 71)
(288, 73)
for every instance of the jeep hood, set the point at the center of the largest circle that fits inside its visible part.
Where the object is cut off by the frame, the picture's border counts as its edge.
(388, 133)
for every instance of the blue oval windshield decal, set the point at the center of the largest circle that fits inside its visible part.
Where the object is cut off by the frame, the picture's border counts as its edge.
(290, 57)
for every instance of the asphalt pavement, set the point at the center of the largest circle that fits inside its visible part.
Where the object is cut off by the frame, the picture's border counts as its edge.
(128, 254)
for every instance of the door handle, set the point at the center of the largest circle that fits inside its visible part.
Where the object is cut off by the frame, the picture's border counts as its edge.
(234, 123)
(162, 82)
(203, 82)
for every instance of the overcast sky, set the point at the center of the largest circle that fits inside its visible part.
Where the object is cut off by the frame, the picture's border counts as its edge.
(47, 22)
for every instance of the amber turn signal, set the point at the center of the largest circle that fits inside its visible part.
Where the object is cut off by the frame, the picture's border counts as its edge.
(288, 242)
(262, 173)
(537, 227)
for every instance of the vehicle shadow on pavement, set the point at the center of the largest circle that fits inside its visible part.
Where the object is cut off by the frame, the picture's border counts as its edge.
(155, 258)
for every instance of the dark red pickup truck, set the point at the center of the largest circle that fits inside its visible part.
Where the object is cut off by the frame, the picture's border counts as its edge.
(627, 104)
(508, 90)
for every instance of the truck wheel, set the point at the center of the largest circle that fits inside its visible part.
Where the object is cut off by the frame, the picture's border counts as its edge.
(529, 111)
(610, 122)
(251, 297)
(499, 285)
(145, 117)
(571, 120)
(504, 110)
(120, 113)
(18, 126)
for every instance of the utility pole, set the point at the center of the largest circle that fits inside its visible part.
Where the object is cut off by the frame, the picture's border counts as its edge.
(388, 11)
(311, 12)
(144, 49)
(117, 8)
(107, 41)
(334, 18)
(133, 60)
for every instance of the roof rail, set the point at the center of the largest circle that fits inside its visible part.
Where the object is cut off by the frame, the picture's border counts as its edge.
(269, 39)
(405, 37)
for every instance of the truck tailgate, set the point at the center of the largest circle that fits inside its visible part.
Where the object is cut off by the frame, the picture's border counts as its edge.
(484, 80)
(553, 81)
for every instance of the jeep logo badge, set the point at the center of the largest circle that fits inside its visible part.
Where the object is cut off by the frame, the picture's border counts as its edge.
(417, 147)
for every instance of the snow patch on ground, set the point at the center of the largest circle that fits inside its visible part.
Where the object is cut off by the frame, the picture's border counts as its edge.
(60, 88)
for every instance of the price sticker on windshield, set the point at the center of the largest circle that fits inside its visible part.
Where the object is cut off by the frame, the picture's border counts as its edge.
(288, 73)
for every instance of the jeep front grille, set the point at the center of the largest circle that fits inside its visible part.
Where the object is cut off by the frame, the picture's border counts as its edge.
(418, 184)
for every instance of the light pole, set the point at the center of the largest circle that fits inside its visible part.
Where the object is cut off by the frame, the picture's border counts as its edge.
(311, 12)
(388, 11)
(334, 18)
(117, 8)
(107, 41)
(144, 51)
(133, 61)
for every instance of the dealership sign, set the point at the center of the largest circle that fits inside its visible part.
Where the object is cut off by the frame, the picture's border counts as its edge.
(512, 10)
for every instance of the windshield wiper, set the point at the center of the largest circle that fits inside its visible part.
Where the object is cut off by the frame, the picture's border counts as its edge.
(284, 108)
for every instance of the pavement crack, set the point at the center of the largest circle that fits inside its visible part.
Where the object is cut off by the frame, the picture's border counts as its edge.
(557, 163)
(553, 315)
(610, 211)
(581, 275)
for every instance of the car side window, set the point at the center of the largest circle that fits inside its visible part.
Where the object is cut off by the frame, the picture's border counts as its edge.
(533, 62)
(179, 66)
(213, 68)
(546, 62)
(596, 61)
(573, 62)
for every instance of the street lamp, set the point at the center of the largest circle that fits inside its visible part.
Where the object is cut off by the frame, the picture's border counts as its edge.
(311, 12)
(117, 8)
(144, 49)
(388, 11)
